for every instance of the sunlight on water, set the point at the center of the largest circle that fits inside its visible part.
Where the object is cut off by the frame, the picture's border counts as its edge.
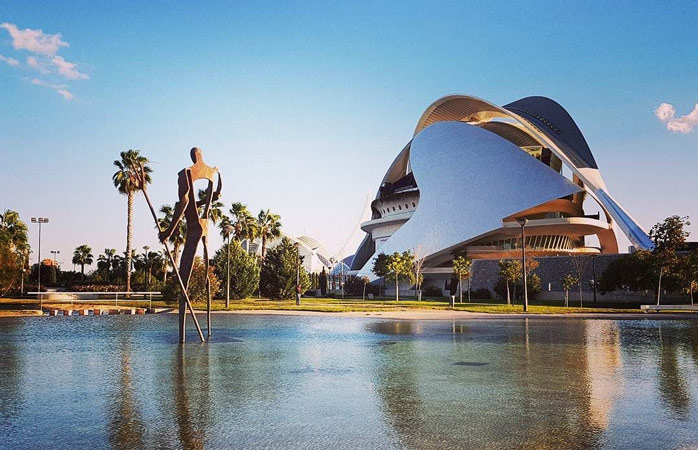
(322, 382)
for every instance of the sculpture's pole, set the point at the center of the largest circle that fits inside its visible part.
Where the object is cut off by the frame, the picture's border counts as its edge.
(174, 266)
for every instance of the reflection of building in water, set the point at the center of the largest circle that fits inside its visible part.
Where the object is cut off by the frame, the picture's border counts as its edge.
(506, 385)
(603, 360)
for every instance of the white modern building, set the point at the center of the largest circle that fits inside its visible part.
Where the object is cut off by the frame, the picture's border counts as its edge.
(473, 168)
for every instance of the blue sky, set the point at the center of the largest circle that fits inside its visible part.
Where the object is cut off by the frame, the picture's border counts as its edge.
(304, 105)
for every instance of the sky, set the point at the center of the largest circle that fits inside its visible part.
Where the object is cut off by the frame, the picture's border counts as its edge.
(303, 105)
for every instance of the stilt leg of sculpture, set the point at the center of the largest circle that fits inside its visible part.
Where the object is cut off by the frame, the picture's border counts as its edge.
(174, 266)
(185, 268)
(208, 289)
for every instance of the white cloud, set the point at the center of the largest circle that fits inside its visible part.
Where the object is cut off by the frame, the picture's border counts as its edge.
(60, 89)
(10, 61)
(34, 40)
(666, 113)
(37, 65)
(68, 70)
(65, 94)
(44, 58)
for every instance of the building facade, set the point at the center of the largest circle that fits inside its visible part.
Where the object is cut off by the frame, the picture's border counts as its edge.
(473, 168)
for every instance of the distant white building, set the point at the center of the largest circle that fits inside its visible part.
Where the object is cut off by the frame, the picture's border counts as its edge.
(315, 255)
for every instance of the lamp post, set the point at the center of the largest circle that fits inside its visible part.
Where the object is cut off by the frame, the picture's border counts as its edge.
(593, 275)
(21, 283)
(55, 252)
(298, 274)
(40, 220)
(523, 222)
(228, 229)
(147, 267)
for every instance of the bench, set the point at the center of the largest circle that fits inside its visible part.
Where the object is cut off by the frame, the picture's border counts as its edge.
(648, 308)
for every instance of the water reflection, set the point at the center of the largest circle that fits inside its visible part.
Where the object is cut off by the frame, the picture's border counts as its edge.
(126, 429)
(673, 389)
(11, 377)
(349, 383)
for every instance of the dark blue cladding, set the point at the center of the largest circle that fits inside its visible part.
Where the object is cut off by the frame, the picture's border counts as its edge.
(558, 125)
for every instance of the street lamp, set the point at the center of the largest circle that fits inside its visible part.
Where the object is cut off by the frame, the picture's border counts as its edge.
(298, 273)
(147, 268)
(228, 229)
(55, 252)
(523, 222)
(40, 220)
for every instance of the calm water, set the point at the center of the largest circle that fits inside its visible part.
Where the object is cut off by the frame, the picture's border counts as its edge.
(323, 382)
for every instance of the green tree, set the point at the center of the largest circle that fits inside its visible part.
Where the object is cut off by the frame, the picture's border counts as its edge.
(197, 284)
(322, 281)
(509, 271)
(399, 268)
(278, 273)
(688, 272)
(82, 256)
(667, 236)
(462, 266)
(14, 249)
(244, 270)
(128, 180)
(633, 272)
(268, 227)
(380, 268)
(568, 282)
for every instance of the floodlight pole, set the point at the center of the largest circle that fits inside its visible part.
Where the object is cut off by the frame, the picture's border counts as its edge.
(523, 223)
(40, 220)
(298, 274)
(228, 230)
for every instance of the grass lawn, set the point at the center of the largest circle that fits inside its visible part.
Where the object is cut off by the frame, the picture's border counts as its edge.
(330, 305)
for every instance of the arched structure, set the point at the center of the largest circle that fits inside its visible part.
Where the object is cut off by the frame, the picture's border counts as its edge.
(472, 168)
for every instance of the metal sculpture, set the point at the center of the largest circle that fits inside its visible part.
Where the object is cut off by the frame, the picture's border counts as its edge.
(197, 230)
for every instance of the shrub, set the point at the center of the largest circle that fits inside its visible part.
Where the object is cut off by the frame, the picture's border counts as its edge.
(244, 271)
(481, 294)
(432, 291)
(278, 275)
(355, 286)
(197, 284)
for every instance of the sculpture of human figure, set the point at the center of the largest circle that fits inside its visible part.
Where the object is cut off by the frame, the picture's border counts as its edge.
(197, 225)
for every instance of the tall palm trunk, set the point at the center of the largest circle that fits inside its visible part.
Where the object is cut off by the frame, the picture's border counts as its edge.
(659, 284)
(264, 246)
(397, 288)
(129, 236)
(175, 254)
(508, 294)
(82, 273)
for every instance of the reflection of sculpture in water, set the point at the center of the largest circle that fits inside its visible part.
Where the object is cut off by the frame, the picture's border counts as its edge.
(197, 225)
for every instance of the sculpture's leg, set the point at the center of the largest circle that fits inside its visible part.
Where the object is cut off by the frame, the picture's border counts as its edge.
(185, 268)
(208, 288)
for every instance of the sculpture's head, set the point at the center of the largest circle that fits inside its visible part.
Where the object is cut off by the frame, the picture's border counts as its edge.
(196, 155)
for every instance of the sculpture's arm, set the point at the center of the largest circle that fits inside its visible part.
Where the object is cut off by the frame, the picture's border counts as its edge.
(217, 194)
(180, 206)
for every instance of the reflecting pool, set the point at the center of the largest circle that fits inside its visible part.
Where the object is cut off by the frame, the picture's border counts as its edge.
(279, 382)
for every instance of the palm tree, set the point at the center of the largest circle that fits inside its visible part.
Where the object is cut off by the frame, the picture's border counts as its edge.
(127, 179)
(82, 255)
(216, 211)
(14, 231)
(268, 227)
(165, 264)
(109, 253)
(244, 223)
(223, 225)
(177, 238)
